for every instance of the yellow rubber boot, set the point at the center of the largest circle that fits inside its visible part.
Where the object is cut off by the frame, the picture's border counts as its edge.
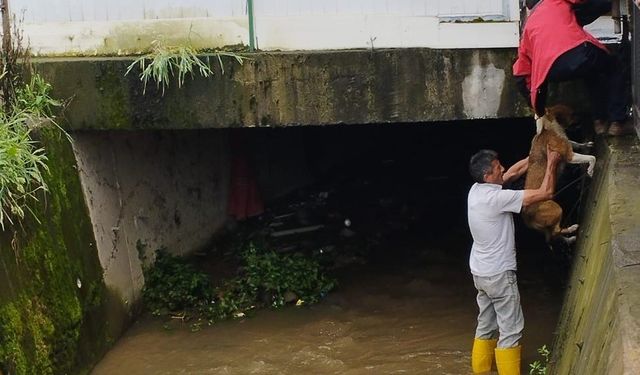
(482, 355)
(508, 360)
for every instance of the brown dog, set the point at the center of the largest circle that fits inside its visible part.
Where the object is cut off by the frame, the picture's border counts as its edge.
(546, 216)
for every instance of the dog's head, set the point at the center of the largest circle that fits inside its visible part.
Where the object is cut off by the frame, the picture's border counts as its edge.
(558, 117)
(562, 114)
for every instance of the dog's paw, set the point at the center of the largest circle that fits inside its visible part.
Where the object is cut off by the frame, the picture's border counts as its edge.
(570, 230)
(570, 240)
(592, 165)
(586, 146)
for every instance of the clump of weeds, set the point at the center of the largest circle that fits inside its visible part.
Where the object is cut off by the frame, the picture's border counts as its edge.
(266, 278)
(539, 367)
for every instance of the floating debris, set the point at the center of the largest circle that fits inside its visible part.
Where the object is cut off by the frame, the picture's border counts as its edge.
(288, 232)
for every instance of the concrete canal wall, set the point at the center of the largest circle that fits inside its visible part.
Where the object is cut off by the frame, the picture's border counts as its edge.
(57, 316)
(148, 190)
(599, 331)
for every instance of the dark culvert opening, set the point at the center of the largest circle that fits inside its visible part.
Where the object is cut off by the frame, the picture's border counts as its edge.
(400, 182)
(383, 207)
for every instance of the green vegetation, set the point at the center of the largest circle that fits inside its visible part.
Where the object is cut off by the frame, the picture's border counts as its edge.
(34, 98)
(173, 284)
(21, 330)
(267, 278)
(274, 275)
(27, 105)
(180, 61)
(21, 167)
(540, 367)
(45, 315)
(48, 324)
(43, 312)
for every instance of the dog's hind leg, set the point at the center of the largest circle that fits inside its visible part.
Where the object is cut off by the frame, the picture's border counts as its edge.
(565, 234)
(562, 244)
(584, 159)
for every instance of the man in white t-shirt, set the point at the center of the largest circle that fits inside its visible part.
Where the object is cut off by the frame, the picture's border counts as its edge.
(493, 257)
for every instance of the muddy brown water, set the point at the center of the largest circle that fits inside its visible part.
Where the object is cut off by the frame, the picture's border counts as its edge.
(414, 314)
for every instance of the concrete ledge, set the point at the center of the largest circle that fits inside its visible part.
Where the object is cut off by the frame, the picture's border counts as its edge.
(301, 88)
(599, 330)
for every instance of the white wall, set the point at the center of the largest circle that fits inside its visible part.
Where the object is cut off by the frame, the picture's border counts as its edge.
(118, 10)
(371, 7)
(96, 27)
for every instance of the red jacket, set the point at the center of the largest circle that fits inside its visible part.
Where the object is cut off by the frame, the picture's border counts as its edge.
(550, 30)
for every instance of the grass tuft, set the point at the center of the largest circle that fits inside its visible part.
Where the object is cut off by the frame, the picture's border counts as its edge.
(165, 62)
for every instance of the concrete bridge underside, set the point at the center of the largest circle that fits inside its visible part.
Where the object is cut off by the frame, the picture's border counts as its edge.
(303, 88)
(145, 182)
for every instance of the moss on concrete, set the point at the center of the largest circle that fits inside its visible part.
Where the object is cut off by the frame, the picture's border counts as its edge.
(113, 96)
(287, 88)
(297, 88)
(56, 289)
(599, 326)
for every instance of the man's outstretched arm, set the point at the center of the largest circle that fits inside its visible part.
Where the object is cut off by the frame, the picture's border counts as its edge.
(516, 170)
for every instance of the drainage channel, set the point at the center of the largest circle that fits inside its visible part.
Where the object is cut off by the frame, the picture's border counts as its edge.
(385, 205)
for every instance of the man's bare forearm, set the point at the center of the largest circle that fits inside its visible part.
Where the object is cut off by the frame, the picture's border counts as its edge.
(516, 170)
(548, 186)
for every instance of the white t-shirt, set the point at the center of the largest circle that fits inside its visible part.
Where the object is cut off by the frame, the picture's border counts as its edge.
(491, 223)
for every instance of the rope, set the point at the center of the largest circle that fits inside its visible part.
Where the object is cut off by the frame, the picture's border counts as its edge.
(569, 184)
(578, 201)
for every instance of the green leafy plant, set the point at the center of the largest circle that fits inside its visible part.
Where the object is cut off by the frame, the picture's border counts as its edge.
(540, 367)
(173, 284)
(267, 278)
(22, 164)
(165, 62)
(35, 98)
(26, 105)
(275, 275)
(22, 160)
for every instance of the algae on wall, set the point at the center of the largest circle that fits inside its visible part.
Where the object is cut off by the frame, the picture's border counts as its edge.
(53, 301)
(598, 331)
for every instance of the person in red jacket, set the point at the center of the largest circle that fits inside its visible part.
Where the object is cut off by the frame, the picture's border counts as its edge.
(555, 47)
